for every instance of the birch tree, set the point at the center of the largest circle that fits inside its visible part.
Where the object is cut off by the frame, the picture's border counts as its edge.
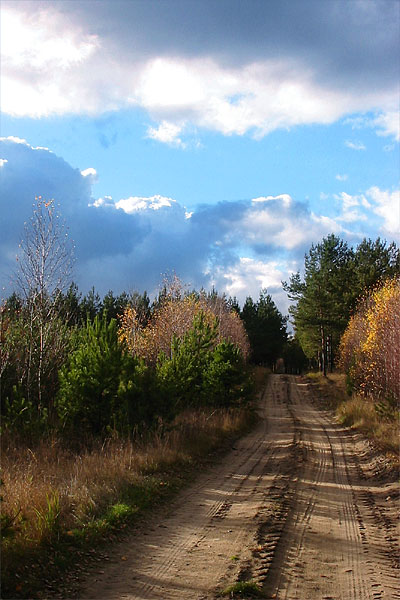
(43, 274)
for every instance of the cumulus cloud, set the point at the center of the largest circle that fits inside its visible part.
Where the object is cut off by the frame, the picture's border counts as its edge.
(166, 132)
(386, 204)
(90, 172)
(129, 243)
(255, 76)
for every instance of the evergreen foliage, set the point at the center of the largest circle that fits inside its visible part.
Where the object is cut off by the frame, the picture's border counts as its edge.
(100, 384)
(334, 278)
(266, 328)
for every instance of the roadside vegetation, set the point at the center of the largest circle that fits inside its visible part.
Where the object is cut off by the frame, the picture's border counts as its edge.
(346, 315)
(107, 404)
(370, 357)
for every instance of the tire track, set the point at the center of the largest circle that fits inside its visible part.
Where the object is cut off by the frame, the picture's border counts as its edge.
(327, 548)
(212, 522)
(288, 508)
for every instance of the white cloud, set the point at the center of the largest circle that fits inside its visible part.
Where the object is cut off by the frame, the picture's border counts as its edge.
(325, 225)
(89, 172)
(355, 145)
(106, 201)
(350, 207)
(16, 140)
(22, 141)
(55, 65)
(386, 204)
(285, 198)
(3, 161)
(135, 204)
(166, 132)
(248, 276)
(388, 124)
(342, 177)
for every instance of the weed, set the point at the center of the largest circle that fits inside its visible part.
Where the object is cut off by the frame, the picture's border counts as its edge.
(244, 589)
(48, 517)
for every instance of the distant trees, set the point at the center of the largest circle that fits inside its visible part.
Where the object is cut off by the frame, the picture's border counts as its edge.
(335, 277)
(266, 328)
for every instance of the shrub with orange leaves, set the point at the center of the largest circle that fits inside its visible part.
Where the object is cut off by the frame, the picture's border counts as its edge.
(173, 318)
(370, 346)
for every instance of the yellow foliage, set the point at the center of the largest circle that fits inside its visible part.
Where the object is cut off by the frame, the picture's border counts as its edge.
(174, 318)
(370, 346)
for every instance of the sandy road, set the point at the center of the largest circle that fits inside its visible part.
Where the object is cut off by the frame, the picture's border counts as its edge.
(290, 507)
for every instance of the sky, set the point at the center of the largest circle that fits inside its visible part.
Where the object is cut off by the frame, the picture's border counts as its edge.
(214, 140)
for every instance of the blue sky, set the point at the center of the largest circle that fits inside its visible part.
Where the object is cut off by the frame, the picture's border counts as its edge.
(218, 140)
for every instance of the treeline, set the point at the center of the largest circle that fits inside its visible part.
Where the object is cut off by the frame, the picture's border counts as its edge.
(336, 278)
(87, 365)
(95, 365)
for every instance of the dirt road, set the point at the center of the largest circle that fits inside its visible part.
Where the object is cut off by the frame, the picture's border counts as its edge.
(292, 507)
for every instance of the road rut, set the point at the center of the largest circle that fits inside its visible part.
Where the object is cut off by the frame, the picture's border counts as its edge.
(289, 508)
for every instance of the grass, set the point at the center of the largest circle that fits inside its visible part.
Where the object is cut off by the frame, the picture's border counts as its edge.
(64, 502)
(332, 388)
(244, 589)
(363, 415)
(376, 420)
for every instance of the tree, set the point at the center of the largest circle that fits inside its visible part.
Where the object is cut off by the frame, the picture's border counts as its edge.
(266, 328)
(335, 278)
(99, 383)
(373, 262)
(44, 271)
(323, 299)
(91, 305)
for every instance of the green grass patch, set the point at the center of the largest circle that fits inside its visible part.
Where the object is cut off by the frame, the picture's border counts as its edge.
(244, 589)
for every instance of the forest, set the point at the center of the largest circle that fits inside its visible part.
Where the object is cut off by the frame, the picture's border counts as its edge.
(88, 384)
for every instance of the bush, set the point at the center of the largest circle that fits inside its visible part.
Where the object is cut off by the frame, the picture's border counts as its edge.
(200, 373)
(225, 380)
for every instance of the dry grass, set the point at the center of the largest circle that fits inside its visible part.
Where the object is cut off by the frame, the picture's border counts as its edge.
(360, 413)
(50, 485)
(331, 388)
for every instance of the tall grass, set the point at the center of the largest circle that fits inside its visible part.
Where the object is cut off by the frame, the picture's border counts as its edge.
(57, 492)
(365, 416)
(378, 421)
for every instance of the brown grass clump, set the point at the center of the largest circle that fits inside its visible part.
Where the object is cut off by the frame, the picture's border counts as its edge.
(361, 414)
(377, 421)
(52, 487)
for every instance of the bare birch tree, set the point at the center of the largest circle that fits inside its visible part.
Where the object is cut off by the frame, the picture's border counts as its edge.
(43, 275)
